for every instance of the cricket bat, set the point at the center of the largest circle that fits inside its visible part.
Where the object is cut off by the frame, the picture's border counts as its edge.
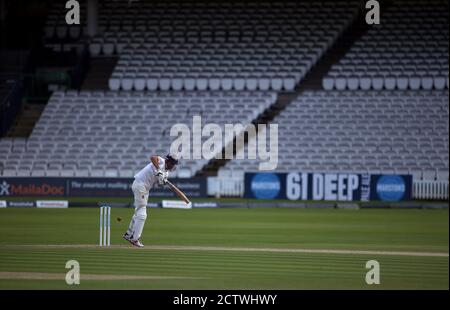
(179, 193)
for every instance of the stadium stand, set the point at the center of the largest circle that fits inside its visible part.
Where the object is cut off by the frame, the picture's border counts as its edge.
(408, 50)
(112, 133)
(56, 28)
(383, 106)
(217, 46)
(403, 132)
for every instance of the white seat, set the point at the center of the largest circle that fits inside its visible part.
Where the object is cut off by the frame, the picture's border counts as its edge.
(264, 83)
(164, 83)
(238, 83)
(429, 175)
(52, 173)
(214, 83)
(114, 83)
(111, 173)
(365, 83)
(427, 82)
(152, 84)
(226, 83)
(108, 48)
(402, 82)
(126, 173)
(97, 173)
(352, 83)
(276, 83)
(442, 175)
(439, 82)
(67, 173)
(139, 83)
(38, 173)
(377, 82)
(9, 172)
(340, 83)
(389, 82)
(23, 172)
(177, 83)
(416, 174)
(127, 83)
(189, 83)
(201, 83)
(251, 83)
(289, 83)
(414, 82)
(94, 49)
(328, 83)
(81, 172)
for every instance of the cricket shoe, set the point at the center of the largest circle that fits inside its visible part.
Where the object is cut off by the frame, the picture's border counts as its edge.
(127, 237)
(136, 243)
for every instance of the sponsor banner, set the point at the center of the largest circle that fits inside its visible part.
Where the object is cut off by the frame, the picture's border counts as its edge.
(175, 204)
(305, 186)
(391, 187)
(328, 186)
(21, 204)
(193, 188)
(52, 204)
(206, 204)
(2, 204)
(93, 187)
(150, 205)
(121, 187)
(99, 187)
(32, 187)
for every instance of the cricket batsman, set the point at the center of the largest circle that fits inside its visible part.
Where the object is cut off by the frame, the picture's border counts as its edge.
(155, 173)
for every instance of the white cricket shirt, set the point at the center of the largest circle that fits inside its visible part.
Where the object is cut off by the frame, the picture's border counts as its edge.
(147, 176)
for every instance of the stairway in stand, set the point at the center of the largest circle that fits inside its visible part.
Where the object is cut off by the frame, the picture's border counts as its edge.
(312, 81)
(100, 70)
(25, 120)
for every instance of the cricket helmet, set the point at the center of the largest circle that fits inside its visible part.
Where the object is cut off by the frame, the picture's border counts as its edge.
(172, 158)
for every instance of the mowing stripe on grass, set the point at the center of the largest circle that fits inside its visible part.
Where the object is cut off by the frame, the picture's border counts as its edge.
(4, 275)
(242, 249)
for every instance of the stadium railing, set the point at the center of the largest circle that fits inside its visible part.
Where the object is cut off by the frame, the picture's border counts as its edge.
(433, 190)
(226, 187)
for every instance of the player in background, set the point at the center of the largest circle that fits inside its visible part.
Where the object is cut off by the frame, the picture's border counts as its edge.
(155, 173)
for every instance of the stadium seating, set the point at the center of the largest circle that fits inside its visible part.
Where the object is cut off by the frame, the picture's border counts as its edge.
(383, 107)
(408, 50)
(374, 131)
(218, 45)
(56, 27)
(113, 133)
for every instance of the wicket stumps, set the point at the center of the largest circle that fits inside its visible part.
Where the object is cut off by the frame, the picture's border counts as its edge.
(105, 226)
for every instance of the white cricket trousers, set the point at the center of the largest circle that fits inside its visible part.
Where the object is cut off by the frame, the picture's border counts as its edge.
(140, 210)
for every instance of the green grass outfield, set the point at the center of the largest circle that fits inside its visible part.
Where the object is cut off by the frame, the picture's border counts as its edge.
(239, 248)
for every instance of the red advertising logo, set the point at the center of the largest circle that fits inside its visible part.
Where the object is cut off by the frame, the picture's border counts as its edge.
(43, 189)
